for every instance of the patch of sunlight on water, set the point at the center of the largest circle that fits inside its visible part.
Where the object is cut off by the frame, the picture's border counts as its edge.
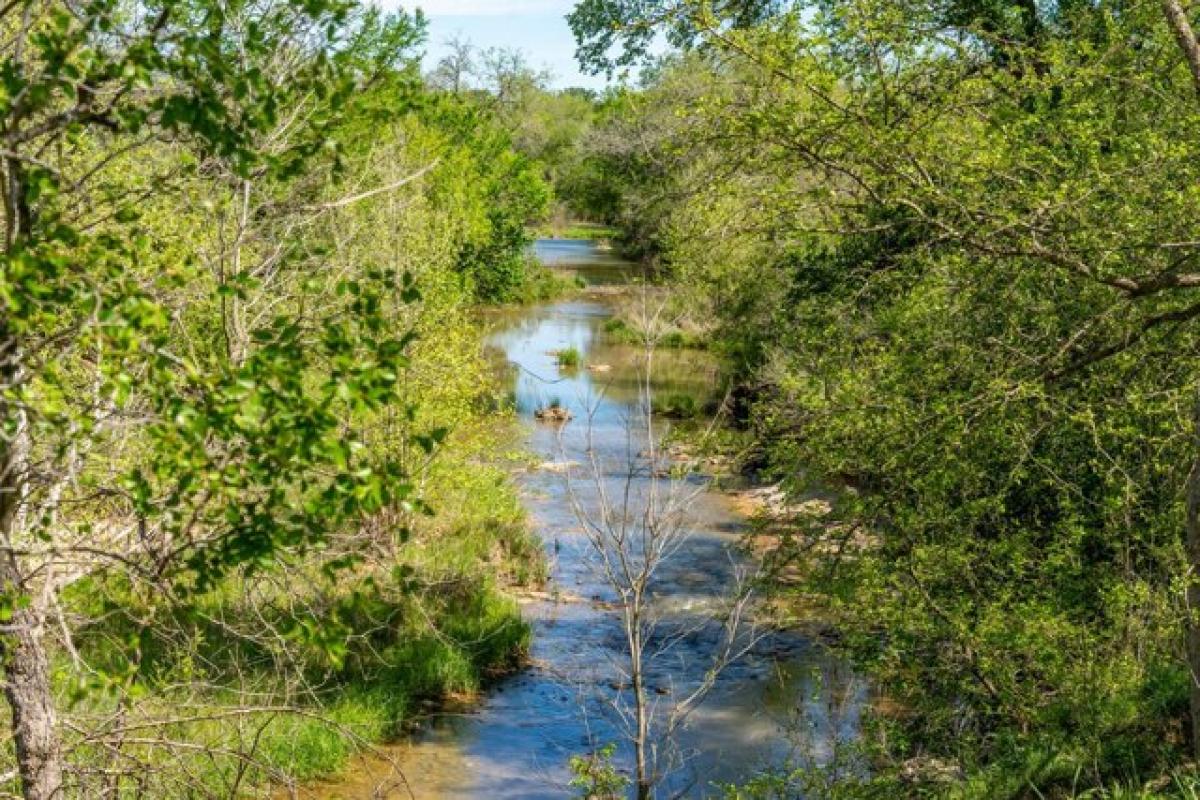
(518, 741)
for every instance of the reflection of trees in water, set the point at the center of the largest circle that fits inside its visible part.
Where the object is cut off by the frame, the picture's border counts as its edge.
(520, 743)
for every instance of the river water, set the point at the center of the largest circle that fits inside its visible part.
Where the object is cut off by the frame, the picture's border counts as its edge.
(786, 701)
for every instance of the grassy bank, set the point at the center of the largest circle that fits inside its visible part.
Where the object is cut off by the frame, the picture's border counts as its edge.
(542, 284)
(671, 337)
(279, 677)
(578, 230)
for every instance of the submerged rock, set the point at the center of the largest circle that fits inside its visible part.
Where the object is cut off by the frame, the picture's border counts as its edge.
(553, 414)
(558, 467)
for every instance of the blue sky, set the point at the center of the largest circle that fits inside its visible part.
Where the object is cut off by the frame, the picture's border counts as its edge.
(537, 27)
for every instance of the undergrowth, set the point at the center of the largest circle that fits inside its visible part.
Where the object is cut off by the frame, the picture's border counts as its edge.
(281, 676)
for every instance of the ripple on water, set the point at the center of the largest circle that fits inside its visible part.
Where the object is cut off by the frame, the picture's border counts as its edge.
(517, 742)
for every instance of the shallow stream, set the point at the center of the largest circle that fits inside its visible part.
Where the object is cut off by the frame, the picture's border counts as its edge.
(786, 700)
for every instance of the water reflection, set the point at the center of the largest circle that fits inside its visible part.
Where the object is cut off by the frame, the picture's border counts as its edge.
(598, 265)
(517, 744)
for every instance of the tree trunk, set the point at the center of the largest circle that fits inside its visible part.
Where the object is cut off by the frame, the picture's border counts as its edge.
(28, 691)
(1181, 29)
(1186, 39)
(643, 779)
(1193, 585)
(27, 686)
(22, 646)
(645, 783)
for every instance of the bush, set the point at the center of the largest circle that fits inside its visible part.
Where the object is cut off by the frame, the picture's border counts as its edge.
(539, 283)
(569, 358)
(677, 406)
(621, 331)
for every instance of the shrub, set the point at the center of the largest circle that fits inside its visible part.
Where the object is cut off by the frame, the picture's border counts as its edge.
(677, 405)
(569, 358)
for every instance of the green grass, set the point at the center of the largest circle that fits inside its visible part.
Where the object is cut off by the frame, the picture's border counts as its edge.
(447, 642)
(372, 643)
(579, 230)
(681, 340)
(569, 358)
(622, 331)
(541, 284)
(619, 329)
(676, 406)
(306, 748)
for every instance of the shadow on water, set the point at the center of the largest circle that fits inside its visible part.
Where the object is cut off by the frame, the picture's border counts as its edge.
(518, 741)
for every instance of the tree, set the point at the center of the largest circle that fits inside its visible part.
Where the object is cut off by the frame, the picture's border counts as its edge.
(126, 446)
(600, 26)
(636, 522)
(509, 80)
(509, 193)
(455, 69)
(954, 268)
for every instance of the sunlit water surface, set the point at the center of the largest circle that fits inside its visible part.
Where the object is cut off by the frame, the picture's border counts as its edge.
(517, 742)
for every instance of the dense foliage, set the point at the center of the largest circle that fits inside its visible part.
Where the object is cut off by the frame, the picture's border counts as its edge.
(242, 245)
(950, 253)
(947, 251)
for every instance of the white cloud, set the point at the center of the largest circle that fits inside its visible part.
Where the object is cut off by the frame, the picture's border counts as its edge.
(478, 8)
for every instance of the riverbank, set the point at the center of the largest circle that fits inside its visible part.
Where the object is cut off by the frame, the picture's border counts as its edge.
(423, 613)
(583, 231)
(519, 740)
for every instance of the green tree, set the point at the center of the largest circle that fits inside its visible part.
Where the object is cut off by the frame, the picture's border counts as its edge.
(125, 445)
(509, 194)
(952, 256)
(619, 33)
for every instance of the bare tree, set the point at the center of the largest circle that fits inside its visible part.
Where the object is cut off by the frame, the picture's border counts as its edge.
(509, 77)
(454, 70)
(636, 524)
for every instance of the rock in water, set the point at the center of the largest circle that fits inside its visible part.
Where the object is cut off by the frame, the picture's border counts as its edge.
(553, 414)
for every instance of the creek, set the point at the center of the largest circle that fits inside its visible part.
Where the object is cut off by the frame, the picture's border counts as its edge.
(786, 701)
